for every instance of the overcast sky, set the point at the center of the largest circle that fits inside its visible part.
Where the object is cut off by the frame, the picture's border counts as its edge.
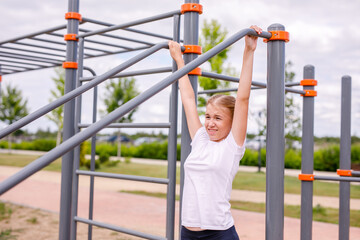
(322, 33)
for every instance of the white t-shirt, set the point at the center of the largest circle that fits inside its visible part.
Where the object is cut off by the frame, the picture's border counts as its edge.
(209, 172)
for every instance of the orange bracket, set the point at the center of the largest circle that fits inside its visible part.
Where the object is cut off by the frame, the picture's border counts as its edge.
(193, 49)
(308, 82)
(191, 7)
(73, 65)
(347, 173)
(0, 78)
(309, 93)
(71, 37)
(196, 71)
(73, 15)
(278, 36)
(306, 177)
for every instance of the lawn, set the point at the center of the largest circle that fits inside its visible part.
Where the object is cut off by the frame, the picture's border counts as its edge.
(243, 180)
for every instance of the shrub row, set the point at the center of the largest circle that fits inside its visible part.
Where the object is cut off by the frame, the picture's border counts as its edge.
(326, 159)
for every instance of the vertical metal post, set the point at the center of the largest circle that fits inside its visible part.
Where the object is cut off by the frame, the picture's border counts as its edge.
(0, 85)
(172, 145)
(275, 137)
(75, 188)
(69, 122)
(345, 157)
(307, 158)
(191, 37)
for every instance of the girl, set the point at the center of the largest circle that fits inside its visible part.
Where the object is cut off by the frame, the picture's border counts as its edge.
(217, 148)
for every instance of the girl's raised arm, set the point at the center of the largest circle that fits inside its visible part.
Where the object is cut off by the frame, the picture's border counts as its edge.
(239, 123)
(186, 91)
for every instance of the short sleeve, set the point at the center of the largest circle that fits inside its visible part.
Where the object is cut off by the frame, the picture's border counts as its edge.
(200, 135)
(238, 149)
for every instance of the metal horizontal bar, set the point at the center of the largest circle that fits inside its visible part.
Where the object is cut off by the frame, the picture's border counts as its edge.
(130, 29)
(135, 73)
(118, 229)
(9, 65)
(344, 179)
(133, 23)
(355, 173)
(120, 38)
(40, 46)
(31, 57)
(132, 125)
(229, 78)
(33, 64)
(118, 52)
(287, 89)
(27, 50)
(292, 84)
(9, 69)
(218, 91)
(34, 34)
(123, 177)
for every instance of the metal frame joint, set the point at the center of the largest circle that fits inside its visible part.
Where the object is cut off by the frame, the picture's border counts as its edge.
(306, 177)
(191, 7)
(278, 36)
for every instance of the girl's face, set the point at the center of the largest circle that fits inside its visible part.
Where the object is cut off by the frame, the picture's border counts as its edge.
(218, 122)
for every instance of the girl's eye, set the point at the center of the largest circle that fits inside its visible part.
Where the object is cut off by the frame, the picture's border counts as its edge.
(218, 118)
(207, 117)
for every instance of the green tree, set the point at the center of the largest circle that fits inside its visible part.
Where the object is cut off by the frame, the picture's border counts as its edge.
(292, 111)
(12, 108)
(117, 93)
(57, 115)
(211, 35)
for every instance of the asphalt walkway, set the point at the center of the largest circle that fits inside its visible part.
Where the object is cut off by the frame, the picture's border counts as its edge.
(142, 213)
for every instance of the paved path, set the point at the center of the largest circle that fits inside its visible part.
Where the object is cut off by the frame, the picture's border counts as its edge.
(142, 213)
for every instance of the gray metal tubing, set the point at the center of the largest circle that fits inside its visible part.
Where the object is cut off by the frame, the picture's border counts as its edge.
(292, 84)
(287, 89)
(31, 64)
(26, 50)
(275, 141)
(119, 229)
(307, 158)
(119, 37)
(39, 46)
(124, 177)
(355, 173)
(114, 115)
(93, 41)
(118, 52)
(13, 66)
(345, 158)
(67, 97)
(229, 78)
(132, 125)
(61, 43)
(134, 73)
(19, 56)
(172, 145)
(32, 57)
(337, 179)
(131, 29)
(34, 34)
(10, 69)
(218, 91)
(133, 23)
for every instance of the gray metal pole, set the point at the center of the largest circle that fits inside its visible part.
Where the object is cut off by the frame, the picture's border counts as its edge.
(172, 145)
(307, 155)
(67, 163)
(75, 188)
(191, 37)
(345, 157)
(275, 137)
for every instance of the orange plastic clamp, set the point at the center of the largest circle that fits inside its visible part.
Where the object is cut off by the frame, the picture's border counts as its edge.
(70, 65)
(278, 35)
(306, 177)
(70, 37)
(347, 173)
(196, 71)
(308, 82)
(309, 93)
(191, 7)
(0, 78)
(73, 15)
(193, 49)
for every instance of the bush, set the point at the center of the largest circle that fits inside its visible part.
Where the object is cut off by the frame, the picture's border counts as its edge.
(293, 159)
(327, 159)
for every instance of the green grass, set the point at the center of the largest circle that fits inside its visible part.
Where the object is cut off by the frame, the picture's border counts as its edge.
(320, 214)
(251, 181)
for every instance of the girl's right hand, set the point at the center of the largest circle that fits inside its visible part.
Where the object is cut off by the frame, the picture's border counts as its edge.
(175, 51)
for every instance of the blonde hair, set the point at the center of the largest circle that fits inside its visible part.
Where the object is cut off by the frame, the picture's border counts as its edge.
(225, 101)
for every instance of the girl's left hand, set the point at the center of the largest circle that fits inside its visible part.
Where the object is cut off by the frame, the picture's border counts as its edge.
(251, 41)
